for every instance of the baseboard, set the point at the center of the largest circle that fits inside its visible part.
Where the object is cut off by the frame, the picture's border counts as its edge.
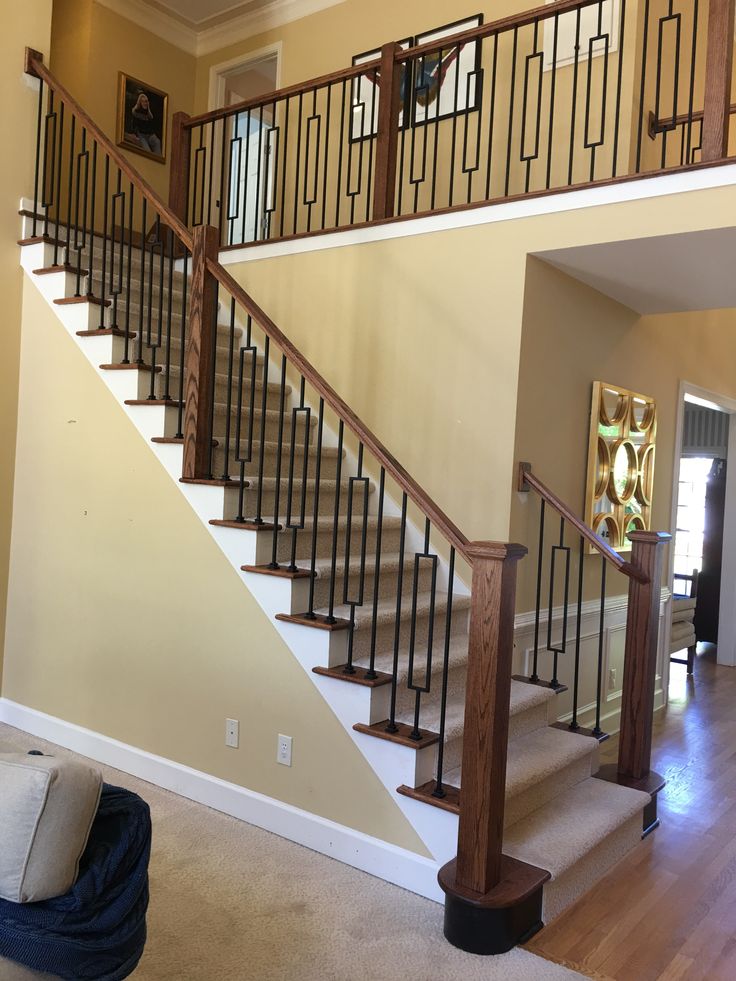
(379, 858)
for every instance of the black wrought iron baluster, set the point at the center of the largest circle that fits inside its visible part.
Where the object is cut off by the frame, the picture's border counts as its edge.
(262, 446)
(70, 181)
(371, 672)
(439, 790)
(421, 689)
(402, 150)
(391, 725)
(491, 119)
(105, 235)
(287, 103)
(642, 91)
(279, 450)
(48, 180)
(182, 348)
(512, 95)
(348, 600)
(225, 475)
(597, 731)
(593, 145)
(574, 100)
(154, 341)
(311, 187)
(166, 393)
(211, 169)
(619, 86)
(233, 183)
(534, 678)
(260, 170)
(552, 94)
(335, 525)
(474, 81)
(224, 188)
(453, 131)
(553, 648)
(315, 512)
(536, 56)
(142, 273)
(93, 203)
(37, 163)
(340, 153)
(574, 724)
(296, 526)
(328, 113)
(691, 98)
(244, 221)
(213, 380)
(273, 155)
(115, 284)
(80, 203)
(129, 273)
(435, 151)
(58, 183)
(297, 166)
(371, 147)
(247, 350)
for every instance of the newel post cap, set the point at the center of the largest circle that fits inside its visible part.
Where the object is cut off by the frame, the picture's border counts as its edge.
(498, 551)
(650, 537)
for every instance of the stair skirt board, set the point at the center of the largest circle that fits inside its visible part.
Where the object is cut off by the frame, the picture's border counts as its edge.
(379, 858)
(531, 791)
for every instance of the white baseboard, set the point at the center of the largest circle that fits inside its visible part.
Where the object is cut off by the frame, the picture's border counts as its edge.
(396, 865)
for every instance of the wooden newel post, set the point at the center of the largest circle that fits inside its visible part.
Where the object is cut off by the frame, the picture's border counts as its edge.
(640, 657)
(181, 146)
(492, 901)
(200, 355)
(718, 71)
(387, 140)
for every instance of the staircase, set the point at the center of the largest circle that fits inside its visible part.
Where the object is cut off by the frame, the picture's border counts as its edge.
(363, 576)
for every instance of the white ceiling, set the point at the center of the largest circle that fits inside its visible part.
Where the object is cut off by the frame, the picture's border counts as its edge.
(663, 274)
(198, 12)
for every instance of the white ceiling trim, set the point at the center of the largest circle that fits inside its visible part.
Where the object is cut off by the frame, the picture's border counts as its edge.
(239, 28)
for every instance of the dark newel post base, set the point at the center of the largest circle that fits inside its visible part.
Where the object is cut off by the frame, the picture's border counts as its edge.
(508, 915)
(651, 784)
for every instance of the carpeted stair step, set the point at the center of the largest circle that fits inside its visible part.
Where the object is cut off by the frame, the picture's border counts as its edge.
(578, 836)
(328, 465)
(390, 537)
(541, 765)
(268, 485)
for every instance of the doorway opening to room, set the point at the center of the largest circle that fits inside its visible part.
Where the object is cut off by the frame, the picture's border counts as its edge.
(246, 199)
(704, 523)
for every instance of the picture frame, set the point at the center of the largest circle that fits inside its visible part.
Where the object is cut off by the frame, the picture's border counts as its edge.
(437, 79)
(142, 118)
(363, 110)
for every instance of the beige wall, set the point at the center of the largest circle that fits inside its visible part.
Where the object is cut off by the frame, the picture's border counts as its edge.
(91, 44)
(125, 617)
(30, 25)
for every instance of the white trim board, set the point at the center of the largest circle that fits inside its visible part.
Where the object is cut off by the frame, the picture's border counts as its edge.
(589, 197)
(379, 858)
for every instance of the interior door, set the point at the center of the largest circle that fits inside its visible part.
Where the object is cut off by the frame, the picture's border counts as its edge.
(709, 580)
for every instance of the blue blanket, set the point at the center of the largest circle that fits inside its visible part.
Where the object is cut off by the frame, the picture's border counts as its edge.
(97, 931)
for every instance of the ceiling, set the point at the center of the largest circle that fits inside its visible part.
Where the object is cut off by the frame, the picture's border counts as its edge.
(206, 13)
(662, 274)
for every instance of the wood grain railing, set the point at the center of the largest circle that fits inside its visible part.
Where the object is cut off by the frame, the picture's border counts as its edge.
(528, 104)
(644, 572)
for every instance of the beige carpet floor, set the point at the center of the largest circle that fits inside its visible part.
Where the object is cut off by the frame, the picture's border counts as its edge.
(230, 902)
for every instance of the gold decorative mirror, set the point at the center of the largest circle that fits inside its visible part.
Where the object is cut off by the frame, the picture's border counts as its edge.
(623, 431)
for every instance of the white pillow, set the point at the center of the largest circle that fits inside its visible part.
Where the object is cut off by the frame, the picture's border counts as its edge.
(47, 806)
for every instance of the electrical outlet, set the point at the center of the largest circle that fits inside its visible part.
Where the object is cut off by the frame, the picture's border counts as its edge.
(283, 750)
(232, 733)
(611, 678)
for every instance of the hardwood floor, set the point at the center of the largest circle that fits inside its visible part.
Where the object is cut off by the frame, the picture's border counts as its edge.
(668, 911)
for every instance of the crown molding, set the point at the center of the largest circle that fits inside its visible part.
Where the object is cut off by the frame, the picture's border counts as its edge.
(229, 32)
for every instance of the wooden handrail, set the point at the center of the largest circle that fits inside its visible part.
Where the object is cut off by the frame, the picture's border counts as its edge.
(528, 479)
(521, 19)
(37, 68)
(371, 442)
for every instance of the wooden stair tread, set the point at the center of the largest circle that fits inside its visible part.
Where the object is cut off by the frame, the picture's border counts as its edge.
(358, 677)
(318, 622)
(105, 332)
(133, 366)
(280, 572)
(243, 525)
(426, 794)
(402, 736)
(169, 403)
(71, 300)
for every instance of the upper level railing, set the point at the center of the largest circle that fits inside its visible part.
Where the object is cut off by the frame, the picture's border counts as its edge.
(332, 504)
(551, 98)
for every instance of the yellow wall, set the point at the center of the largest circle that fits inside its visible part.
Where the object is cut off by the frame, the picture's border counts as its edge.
(30, 25)
(91, 44)
(125, 617)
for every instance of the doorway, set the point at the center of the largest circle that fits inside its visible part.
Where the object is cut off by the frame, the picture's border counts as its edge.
(704, 518)
(245, 199)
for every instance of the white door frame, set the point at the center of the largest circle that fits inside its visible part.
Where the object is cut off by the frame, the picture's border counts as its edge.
(220, 72)
(726, 648)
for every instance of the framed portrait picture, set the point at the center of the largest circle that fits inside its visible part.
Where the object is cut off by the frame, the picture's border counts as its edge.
(365, 96)
(450, 81)
(142, 117)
